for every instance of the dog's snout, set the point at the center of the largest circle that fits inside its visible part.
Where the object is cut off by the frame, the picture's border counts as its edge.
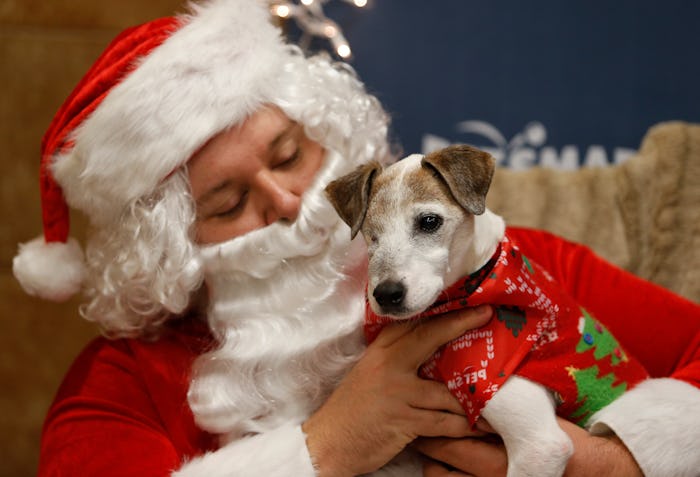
(389, 294)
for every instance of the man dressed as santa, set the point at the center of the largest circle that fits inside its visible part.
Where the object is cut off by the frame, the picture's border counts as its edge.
(229, 294)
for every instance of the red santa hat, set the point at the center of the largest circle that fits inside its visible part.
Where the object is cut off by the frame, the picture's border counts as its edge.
(157, 93)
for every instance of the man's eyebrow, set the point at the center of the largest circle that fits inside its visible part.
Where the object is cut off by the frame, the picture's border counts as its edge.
(288, 131)
(211, 193)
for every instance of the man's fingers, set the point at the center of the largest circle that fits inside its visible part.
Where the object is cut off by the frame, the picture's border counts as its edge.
(443, 424)
(473, 318)
(420, 340)
(435, 396)
(472, 456)
(432, 468)
(483, 425)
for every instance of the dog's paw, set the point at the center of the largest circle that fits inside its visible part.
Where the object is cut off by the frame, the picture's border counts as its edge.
(542, 457)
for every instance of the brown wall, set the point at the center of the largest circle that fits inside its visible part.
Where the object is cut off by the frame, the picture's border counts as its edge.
(45, 47)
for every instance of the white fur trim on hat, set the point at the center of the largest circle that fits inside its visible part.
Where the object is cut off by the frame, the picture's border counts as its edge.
(211, 73)
(53, 271)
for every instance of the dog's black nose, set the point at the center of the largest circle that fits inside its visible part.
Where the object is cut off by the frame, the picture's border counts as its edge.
(389, 294)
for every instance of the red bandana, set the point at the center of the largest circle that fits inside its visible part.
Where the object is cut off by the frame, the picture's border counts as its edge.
(539, 332)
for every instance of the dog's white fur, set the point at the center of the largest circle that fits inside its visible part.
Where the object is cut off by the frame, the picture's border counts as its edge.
(522, 412)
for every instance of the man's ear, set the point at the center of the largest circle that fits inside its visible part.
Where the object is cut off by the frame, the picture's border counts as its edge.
(467, 171)
(350, 195)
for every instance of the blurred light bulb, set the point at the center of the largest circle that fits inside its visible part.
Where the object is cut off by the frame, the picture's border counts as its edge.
(282, 11)
(343, 51)
(330, 31)
(311, 19)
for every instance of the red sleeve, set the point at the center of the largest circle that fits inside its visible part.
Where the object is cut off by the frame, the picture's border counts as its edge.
(658, 327)
(120, 412)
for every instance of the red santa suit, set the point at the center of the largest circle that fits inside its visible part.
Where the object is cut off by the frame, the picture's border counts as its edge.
(539, 332)
(122, 408)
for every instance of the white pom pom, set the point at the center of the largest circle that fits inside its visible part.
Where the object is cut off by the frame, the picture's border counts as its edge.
(53, 271)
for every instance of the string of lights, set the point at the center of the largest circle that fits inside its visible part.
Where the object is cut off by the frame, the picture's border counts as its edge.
(313, 22)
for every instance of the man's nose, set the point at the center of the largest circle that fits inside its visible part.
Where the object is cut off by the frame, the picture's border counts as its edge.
(279, 201)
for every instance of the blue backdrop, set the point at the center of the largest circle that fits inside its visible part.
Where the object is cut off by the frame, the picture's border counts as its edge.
(537, 82)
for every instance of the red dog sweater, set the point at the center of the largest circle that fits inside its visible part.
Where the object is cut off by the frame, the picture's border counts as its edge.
(538, 332)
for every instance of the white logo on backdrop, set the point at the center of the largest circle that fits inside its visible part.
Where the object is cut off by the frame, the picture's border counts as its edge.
(528, 148)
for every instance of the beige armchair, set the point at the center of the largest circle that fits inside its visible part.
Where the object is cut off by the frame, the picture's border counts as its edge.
(643, 215)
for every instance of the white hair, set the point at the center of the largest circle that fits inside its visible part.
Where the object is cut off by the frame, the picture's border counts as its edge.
(143, 268)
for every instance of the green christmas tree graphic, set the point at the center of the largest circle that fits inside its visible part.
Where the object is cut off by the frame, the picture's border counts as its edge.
(594, 392)
(595, 336)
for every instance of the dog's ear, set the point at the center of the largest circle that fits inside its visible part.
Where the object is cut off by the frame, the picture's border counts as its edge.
(350, 195)
(467, 171)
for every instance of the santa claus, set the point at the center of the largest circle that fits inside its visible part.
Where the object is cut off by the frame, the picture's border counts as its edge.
(228, 291)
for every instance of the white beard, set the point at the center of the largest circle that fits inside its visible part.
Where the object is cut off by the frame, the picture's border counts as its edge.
(286, 307)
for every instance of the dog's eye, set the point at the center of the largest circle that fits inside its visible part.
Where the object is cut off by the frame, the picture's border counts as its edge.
(429, 222)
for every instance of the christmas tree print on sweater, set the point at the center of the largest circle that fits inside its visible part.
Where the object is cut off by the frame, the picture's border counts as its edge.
(539, 332)
(596, 388)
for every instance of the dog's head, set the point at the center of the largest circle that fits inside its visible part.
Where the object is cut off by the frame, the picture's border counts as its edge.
(414, 216)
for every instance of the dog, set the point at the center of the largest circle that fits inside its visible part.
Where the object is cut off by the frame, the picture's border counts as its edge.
(434, 246)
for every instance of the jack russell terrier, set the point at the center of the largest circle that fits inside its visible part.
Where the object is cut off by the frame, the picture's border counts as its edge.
(433, 247)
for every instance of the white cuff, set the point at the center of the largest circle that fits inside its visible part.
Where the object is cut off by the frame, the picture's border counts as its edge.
(278, 453)
(659, 422)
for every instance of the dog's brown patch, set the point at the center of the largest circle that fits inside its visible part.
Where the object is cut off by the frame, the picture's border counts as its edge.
(467, 171)
(350, 195)
(426, 187)
(382, 200)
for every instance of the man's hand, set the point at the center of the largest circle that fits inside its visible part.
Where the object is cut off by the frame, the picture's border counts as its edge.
(382, 405)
